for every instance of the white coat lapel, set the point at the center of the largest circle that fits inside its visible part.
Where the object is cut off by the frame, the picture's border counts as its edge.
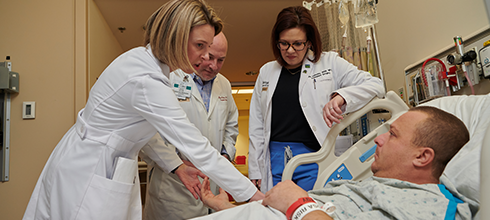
(306, 71)
(215, 93)
(274, 78)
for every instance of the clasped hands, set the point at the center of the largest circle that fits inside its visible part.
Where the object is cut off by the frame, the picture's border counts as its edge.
(279, 197)
(188, 175)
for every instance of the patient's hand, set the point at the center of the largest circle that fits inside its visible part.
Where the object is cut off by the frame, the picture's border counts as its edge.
(332, 112)
(216, 202)
(283, 195)
(188, 175)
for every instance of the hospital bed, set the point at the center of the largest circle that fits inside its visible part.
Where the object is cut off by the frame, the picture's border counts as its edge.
(463, 171)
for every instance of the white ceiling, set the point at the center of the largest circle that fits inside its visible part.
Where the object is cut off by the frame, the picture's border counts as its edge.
(248, 26)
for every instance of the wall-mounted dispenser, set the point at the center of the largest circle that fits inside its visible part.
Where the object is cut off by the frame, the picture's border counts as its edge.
(9, 83)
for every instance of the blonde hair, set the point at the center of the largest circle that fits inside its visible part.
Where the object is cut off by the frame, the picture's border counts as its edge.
(168, 28)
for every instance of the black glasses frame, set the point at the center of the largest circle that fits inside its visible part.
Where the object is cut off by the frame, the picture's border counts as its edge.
(291, 45)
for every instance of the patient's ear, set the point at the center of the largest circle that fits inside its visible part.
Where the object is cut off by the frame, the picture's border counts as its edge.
(425, 156)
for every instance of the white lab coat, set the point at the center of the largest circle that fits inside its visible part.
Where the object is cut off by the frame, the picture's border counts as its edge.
(167, 197)
(128, 104)
(318, 81)
(220, 123)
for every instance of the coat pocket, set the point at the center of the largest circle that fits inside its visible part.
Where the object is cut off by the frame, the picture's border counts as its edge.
(106, 199)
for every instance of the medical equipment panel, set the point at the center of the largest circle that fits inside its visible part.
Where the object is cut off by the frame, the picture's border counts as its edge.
(485, 59)
(465, 69)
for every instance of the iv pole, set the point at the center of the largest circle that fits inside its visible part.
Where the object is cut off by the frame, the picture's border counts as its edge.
(308, 5)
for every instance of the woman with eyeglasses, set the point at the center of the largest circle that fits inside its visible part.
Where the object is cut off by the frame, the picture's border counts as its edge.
(298, 97)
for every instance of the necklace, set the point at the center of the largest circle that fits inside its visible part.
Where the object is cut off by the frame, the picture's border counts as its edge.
(293, 73)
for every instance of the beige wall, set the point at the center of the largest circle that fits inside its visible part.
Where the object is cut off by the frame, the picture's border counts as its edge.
(103, 46)
(409, 31)
(48, 44)
(39, 37)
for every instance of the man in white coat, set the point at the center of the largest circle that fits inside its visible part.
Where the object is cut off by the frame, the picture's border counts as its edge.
(206, 98)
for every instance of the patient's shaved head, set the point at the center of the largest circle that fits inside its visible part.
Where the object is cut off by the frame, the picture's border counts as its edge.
(441, 131)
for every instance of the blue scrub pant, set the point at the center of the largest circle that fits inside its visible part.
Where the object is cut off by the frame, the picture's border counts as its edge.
(304, 175)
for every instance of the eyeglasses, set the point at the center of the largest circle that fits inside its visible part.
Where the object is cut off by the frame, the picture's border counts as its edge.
(297, 46)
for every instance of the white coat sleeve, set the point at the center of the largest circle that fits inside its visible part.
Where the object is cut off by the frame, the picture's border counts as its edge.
(231, 130)
(160, 152)
(156, 102)
(255, 132)
(357, 87)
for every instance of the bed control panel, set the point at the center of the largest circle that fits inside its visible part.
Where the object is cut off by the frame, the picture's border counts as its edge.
(342, 173)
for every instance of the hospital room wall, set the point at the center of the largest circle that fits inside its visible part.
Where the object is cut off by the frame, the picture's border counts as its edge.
(49, 43)
(410, 31)
(103, 45)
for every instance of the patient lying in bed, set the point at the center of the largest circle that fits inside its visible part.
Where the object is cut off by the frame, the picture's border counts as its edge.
(409, 160)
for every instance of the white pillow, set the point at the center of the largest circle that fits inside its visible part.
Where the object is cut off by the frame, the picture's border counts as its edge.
(464, 169)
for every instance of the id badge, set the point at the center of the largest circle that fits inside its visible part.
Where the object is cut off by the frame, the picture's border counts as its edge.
(183, 89)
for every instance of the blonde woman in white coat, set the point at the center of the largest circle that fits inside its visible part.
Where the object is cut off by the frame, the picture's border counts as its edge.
(130, 102)
(298, 97)
(211, 108)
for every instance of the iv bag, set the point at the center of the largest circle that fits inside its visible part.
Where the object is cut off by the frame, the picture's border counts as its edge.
(343, 13)
(365, 13)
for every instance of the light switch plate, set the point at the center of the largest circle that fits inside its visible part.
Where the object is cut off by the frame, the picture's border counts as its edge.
(29, 110)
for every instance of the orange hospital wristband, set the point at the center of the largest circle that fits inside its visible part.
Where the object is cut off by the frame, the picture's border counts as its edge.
(301, 201)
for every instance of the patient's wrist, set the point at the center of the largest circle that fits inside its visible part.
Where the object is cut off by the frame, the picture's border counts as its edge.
(218, 204)
(299, 203)
(317, 214)
(306, 208)
(225, 205)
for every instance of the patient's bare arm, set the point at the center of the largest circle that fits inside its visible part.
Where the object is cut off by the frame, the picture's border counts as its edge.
(216, 202)
(284, 194)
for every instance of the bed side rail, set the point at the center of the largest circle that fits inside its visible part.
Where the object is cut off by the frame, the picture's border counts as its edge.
(355, 163)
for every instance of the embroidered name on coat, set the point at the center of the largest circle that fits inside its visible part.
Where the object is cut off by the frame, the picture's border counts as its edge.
(223, 98)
